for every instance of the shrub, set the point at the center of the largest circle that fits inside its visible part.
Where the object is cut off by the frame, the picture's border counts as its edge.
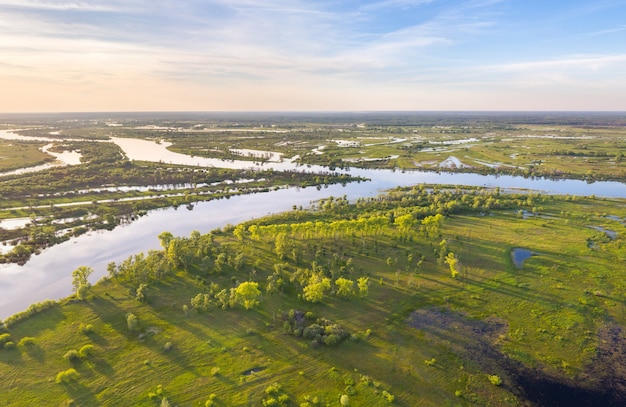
(71, 355)
(82, 291)
(495, 380)
(66, 376)
(85, 329)
(210, 401)
(168, 346)
(272, 388)
(131, 321)
(32, 310)
(157, 392)
(4, 338)
(390, 398)
(9, 345)
(85, 351)
(27, 341)
(344, 400)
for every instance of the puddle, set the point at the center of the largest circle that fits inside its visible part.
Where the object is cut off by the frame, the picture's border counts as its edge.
(610, 233)
(519, 256)
(253, 371)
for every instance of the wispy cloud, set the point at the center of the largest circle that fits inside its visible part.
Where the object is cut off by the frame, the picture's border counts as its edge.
(289, 45)
(95, 5)
(589, 63)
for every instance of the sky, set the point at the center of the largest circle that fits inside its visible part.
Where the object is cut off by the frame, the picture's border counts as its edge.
(297, 55)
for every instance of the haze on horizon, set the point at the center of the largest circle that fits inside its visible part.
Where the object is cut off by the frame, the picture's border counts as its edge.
(296, 55)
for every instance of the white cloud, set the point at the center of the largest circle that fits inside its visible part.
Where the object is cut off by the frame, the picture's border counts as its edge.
(591, 63)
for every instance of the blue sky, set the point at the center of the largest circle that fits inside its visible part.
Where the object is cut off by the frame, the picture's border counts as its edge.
(93, 55)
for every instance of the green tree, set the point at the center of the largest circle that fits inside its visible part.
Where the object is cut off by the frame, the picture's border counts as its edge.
(432, 225)
(140, 294)
(80, 281)
(281, 245)
(247, 294)
(453, 262)
(314, 292)
(363, 284)
(345, 287)
(406, 223)
(165, 238)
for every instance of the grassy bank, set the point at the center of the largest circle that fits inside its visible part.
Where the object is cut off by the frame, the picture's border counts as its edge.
(416, 335)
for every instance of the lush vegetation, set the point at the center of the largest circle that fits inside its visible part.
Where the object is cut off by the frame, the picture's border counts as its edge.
(410, 298)
(108, 189)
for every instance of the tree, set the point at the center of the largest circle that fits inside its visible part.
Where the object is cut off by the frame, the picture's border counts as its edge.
(314, 292)
(140, 294)
(453, 262)
(363, 283)
(112, 269)
(80, 282)
(131, 321)
(165, 238)
(432, 225)
(247, 294)
(406, 223)
(281, 245)
(345, 287)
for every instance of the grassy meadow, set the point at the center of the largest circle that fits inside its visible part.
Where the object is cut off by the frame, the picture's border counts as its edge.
(422, 330)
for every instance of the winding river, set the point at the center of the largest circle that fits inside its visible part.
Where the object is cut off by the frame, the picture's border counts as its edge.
(48, 275)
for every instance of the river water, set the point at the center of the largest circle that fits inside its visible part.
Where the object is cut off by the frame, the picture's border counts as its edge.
(48, 275)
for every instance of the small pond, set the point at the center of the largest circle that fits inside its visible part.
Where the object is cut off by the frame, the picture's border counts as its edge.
(519, 256)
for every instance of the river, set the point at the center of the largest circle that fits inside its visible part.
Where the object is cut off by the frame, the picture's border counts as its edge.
(48, 275)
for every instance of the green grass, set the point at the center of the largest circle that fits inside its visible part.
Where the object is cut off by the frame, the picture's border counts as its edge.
(16, 154)
(546, 315)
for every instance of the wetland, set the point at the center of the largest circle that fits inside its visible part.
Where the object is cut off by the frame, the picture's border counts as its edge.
(387, 279)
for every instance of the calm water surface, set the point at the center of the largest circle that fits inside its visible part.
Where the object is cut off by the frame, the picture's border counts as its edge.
(48, 275)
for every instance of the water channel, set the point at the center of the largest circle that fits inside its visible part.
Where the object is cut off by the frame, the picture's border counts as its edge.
(48, 275)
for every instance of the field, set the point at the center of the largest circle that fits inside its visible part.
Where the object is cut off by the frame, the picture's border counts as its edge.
(17, 154)
(421, 333)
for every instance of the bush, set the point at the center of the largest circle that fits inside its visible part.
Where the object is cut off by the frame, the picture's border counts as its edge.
(86, 329)
(32, 310)
(71, 355)
(390, 398)
(9, 345)
(344, 400)
(272, 388)
(27, 341)
(495, 380)
(4, 338)
(86, 351)
(66, 376)
(168, 346)
(210, 401)
(131, 321)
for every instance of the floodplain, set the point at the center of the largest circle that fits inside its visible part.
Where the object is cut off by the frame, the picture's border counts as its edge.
(409, 297)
